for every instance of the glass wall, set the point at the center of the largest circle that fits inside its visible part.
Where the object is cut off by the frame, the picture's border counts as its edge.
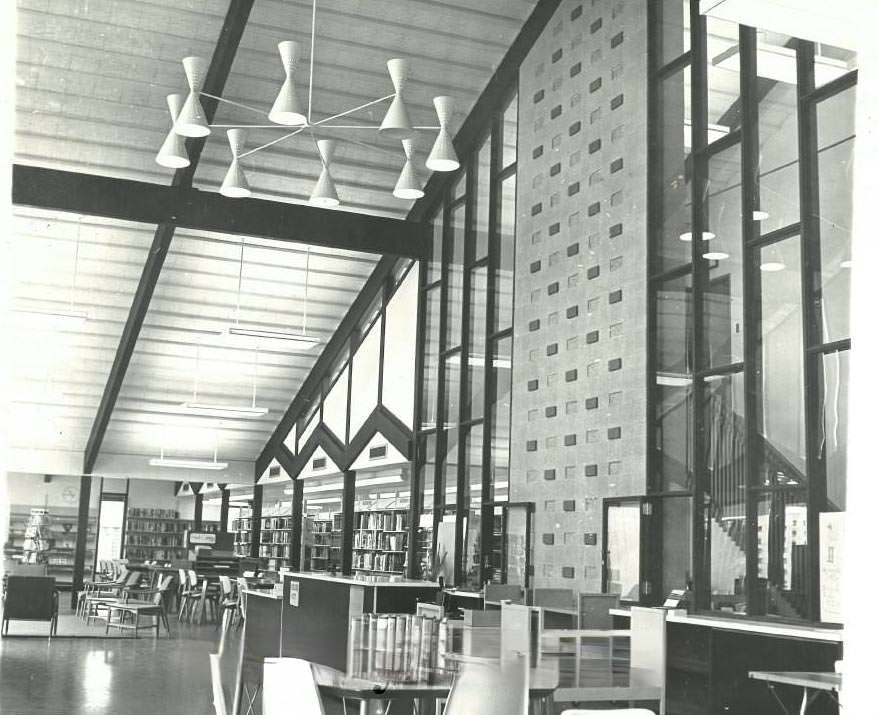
(751, 146)
(467, 340)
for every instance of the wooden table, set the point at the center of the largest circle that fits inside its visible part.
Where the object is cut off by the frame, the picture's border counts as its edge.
(812, 685)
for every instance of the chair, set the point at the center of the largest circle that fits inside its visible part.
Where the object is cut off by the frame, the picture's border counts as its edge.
(647, 665)
(229, 602)
(98, 599)
(594, 609)
(283, 676)
(30, 598)
(154, 608)
(486, 686)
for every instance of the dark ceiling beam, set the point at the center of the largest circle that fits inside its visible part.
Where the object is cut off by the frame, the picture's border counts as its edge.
(488, 105)
(215, 81)
(186, 207)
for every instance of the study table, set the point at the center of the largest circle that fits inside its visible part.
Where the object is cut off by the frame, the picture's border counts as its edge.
(812, 684)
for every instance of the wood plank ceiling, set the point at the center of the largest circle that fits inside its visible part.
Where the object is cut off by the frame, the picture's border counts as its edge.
(92, 76)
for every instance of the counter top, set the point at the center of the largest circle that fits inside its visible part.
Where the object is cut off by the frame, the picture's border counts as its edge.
(360, 580)
(262, 593)
(749, 625)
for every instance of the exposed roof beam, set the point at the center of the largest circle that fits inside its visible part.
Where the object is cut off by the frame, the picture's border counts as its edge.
(215, 81)
(190, 208)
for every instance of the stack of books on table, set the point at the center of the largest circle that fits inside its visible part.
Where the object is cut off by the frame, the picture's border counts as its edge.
(401, 648)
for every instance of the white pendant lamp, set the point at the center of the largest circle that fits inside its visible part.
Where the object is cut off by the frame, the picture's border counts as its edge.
(442, 156)
(192, 121)
(173, 153)
(287, 108)
(716, 255)
(324, 193)
(235, 185)
(686, 236)
(772, 261)
(396, 122)
(408, 186)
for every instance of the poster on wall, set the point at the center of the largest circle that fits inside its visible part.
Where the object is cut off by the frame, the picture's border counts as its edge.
(831, 545)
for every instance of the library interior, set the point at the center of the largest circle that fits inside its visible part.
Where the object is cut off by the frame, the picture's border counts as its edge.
(549, 413)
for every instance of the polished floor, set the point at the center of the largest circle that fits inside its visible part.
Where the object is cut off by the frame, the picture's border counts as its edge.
(120, 676)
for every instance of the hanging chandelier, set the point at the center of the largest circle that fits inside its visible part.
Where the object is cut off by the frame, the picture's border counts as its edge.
(288, 112)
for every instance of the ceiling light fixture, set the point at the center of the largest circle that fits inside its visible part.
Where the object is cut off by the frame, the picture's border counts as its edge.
(772, 261)
(235, 185)
(60, 318)
(289, 113)
(716, 255)
(705, 236)
(174, 463)
(300, 340)
(408, 186)
(173, 154)
(204, 409)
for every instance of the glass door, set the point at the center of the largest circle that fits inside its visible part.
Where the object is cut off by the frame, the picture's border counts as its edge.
(111, 526)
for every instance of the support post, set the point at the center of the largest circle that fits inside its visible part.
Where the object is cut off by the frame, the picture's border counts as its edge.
(81, 537)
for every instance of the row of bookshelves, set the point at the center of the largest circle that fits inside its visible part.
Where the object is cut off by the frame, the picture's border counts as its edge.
(390, 520)
(379, 562)
(380, 541)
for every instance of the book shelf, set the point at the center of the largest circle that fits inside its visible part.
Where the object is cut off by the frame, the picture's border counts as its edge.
(159, 534)
(58, 534)
(275, 540)
(380, 541)
(242, 527)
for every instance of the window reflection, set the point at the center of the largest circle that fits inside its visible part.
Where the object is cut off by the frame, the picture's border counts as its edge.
(475, 394)
(505, 262)
(430, 387)
(454, 294)
(722, 249)
(835, 141)
(723, 78)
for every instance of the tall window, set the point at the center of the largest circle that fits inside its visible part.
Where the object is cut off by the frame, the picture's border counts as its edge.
(751, 146)
(464, 420)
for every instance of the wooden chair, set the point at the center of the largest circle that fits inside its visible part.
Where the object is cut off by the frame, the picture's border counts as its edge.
(229, 603)
(108, 585)
(30, 598)
(97, 600)
(154, 608)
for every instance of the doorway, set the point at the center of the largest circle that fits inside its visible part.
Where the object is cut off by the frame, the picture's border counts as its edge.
(111, 526)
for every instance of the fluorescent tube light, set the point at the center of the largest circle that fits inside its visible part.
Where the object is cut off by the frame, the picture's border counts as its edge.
(187, 463)
(333, 486)
(298, 339)
(230, 411)
(67, 318)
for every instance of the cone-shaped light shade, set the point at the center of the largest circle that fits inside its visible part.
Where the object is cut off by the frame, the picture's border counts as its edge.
(173, 152)
(442, 155)
(235, 184)
(396, 123)
(324, 193)
(192, 121)
(287, 108)
(408, 186)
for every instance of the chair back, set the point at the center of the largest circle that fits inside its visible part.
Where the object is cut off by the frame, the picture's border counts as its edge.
(594, 610)
(554, 598)
(282, 676)
(520, 630)
(504, 592)
(123, 574)
(648, 646)
(30, 598)
(132, 578)
(193, 578)
(226, 586)
(490, 687)
(184, 578)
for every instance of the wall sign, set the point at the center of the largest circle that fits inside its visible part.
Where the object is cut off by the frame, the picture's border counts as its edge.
(294, 593)
(201, 539)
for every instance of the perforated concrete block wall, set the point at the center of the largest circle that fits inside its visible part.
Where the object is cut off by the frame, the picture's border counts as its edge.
(579, 368)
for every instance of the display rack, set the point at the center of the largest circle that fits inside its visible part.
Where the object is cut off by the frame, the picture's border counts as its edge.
(380, 540)
(59, 534)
